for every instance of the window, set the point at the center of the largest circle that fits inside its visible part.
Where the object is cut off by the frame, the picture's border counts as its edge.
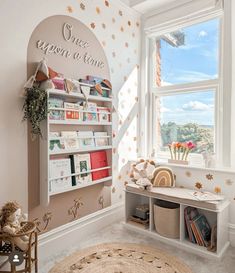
(185, 88)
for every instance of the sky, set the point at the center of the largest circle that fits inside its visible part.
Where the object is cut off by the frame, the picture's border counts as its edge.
(195, 61)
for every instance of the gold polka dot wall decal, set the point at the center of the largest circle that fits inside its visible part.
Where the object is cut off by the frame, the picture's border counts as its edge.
(125, 78)
(113, 37)
(229, 182)
(82, 6)
(93, 25)
(138, 67)
(217, 190)
(198, 185)
(122, 29)
(133, 35)
(114, 150)
(136, 99)
(113, 20)
(137, 24)
(126, 44)
(188, 174)
(135, 138)
(127, 172)
(120, 13)
(106, 3)
(120, 122)
(97, 10)
(209, 176)
(113, 190)
(114, 54)
(69, 9)
(129, 23)
(128, 118)
(120, 196)
(103, 26)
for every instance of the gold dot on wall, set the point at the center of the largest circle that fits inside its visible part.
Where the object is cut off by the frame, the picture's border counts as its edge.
(129, 23)
(137, 24)
(125, 78)
(138, 66)
(126, 44)
(135, 138)
(113, 20)
(217, 190)
(136, 99)
(82, 6)
(97, 10)
(120, 122)
(92, 25)
(69, 9)
(133, 34)
(120, 13)
(188, 174)
(209, 176)
(113, 37)
(119, 177)
(113, 190)
(103, 25)
(120, 196)
(114, 54)
(122, 29)
(106, 3)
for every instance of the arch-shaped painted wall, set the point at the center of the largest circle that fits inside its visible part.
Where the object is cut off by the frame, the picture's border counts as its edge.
(73, 50)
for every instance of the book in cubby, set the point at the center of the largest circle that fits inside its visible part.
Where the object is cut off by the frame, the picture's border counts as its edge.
(60, 174)
(197, 227)
(103, 114)
(91, 114)
(80, 163)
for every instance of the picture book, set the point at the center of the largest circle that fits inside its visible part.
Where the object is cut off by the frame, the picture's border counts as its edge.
(85, 139)
(70, 139)
(56, 145)
(82, 165)
(203, 228)
(99, 160)
(55, 103)
(70, 114)
(91, 114)
(103, 114)
(101, 138)
(59, 168)
(190, 213)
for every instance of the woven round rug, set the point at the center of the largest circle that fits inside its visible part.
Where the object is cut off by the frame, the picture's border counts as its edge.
(120, 258)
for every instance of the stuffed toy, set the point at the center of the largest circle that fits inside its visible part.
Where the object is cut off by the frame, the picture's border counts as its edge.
(142, 173)
(11, 219)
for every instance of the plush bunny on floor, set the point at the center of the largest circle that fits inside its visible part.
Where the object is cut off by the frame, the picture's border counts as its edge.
(11, 218)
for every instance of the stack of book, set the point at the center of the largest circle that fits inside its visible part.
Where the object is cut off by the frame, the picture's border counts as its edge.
(197, 227)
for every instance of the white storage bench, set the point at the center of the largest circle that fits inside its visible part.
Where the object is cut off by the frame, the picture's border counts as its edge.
(215, 212)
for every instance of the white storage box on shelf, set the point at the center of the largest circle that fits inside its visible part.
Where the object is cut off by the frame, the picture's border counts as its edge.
(216, 212)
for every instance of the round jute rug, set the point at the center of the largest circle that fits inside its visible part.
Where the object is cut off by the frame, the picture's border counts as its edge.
(120, 258)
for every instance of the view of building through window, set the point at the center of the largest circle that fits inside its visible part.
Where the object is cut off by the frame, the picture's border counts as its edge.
(185, 56)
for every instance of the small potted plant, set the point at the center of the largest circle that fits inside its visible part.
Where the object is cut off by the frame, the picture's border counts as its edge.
(180, 151)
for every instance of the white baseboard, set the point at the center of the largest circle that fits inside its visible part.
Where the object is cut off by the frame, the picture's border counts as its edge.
(63, 237)
(232, 234)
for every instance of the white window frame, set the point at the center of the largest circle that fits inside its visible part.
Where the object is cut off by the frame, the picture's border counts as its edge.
(222, 109)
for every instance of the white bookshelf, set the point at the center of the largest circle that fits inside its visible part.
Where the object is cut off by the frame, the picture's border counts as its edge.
(72, 125)
(217, 216)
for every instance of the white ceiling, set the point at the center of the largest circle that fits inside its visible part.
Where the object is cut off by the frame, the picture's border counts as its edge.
(144, 6)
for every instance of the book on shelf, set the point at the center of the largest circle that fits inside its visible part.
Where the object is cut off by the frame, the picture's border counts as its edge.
(103, 114)
(70, 114)
(99, 160)
(203, 229)
(101, 138)
(81, 163)
(189, 214)
(55, 103)
(196, 234)
(85, 139)
(59, 168)
(91, 114)
(70, 140)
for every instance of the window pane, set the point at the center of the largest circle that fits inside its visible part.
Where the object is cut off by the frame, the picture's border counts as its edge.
(188, 55)
(186, 117)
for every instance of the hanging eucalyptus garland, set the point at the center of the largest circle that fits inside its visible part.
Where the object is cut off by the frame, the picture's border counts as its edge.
(35, 108)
